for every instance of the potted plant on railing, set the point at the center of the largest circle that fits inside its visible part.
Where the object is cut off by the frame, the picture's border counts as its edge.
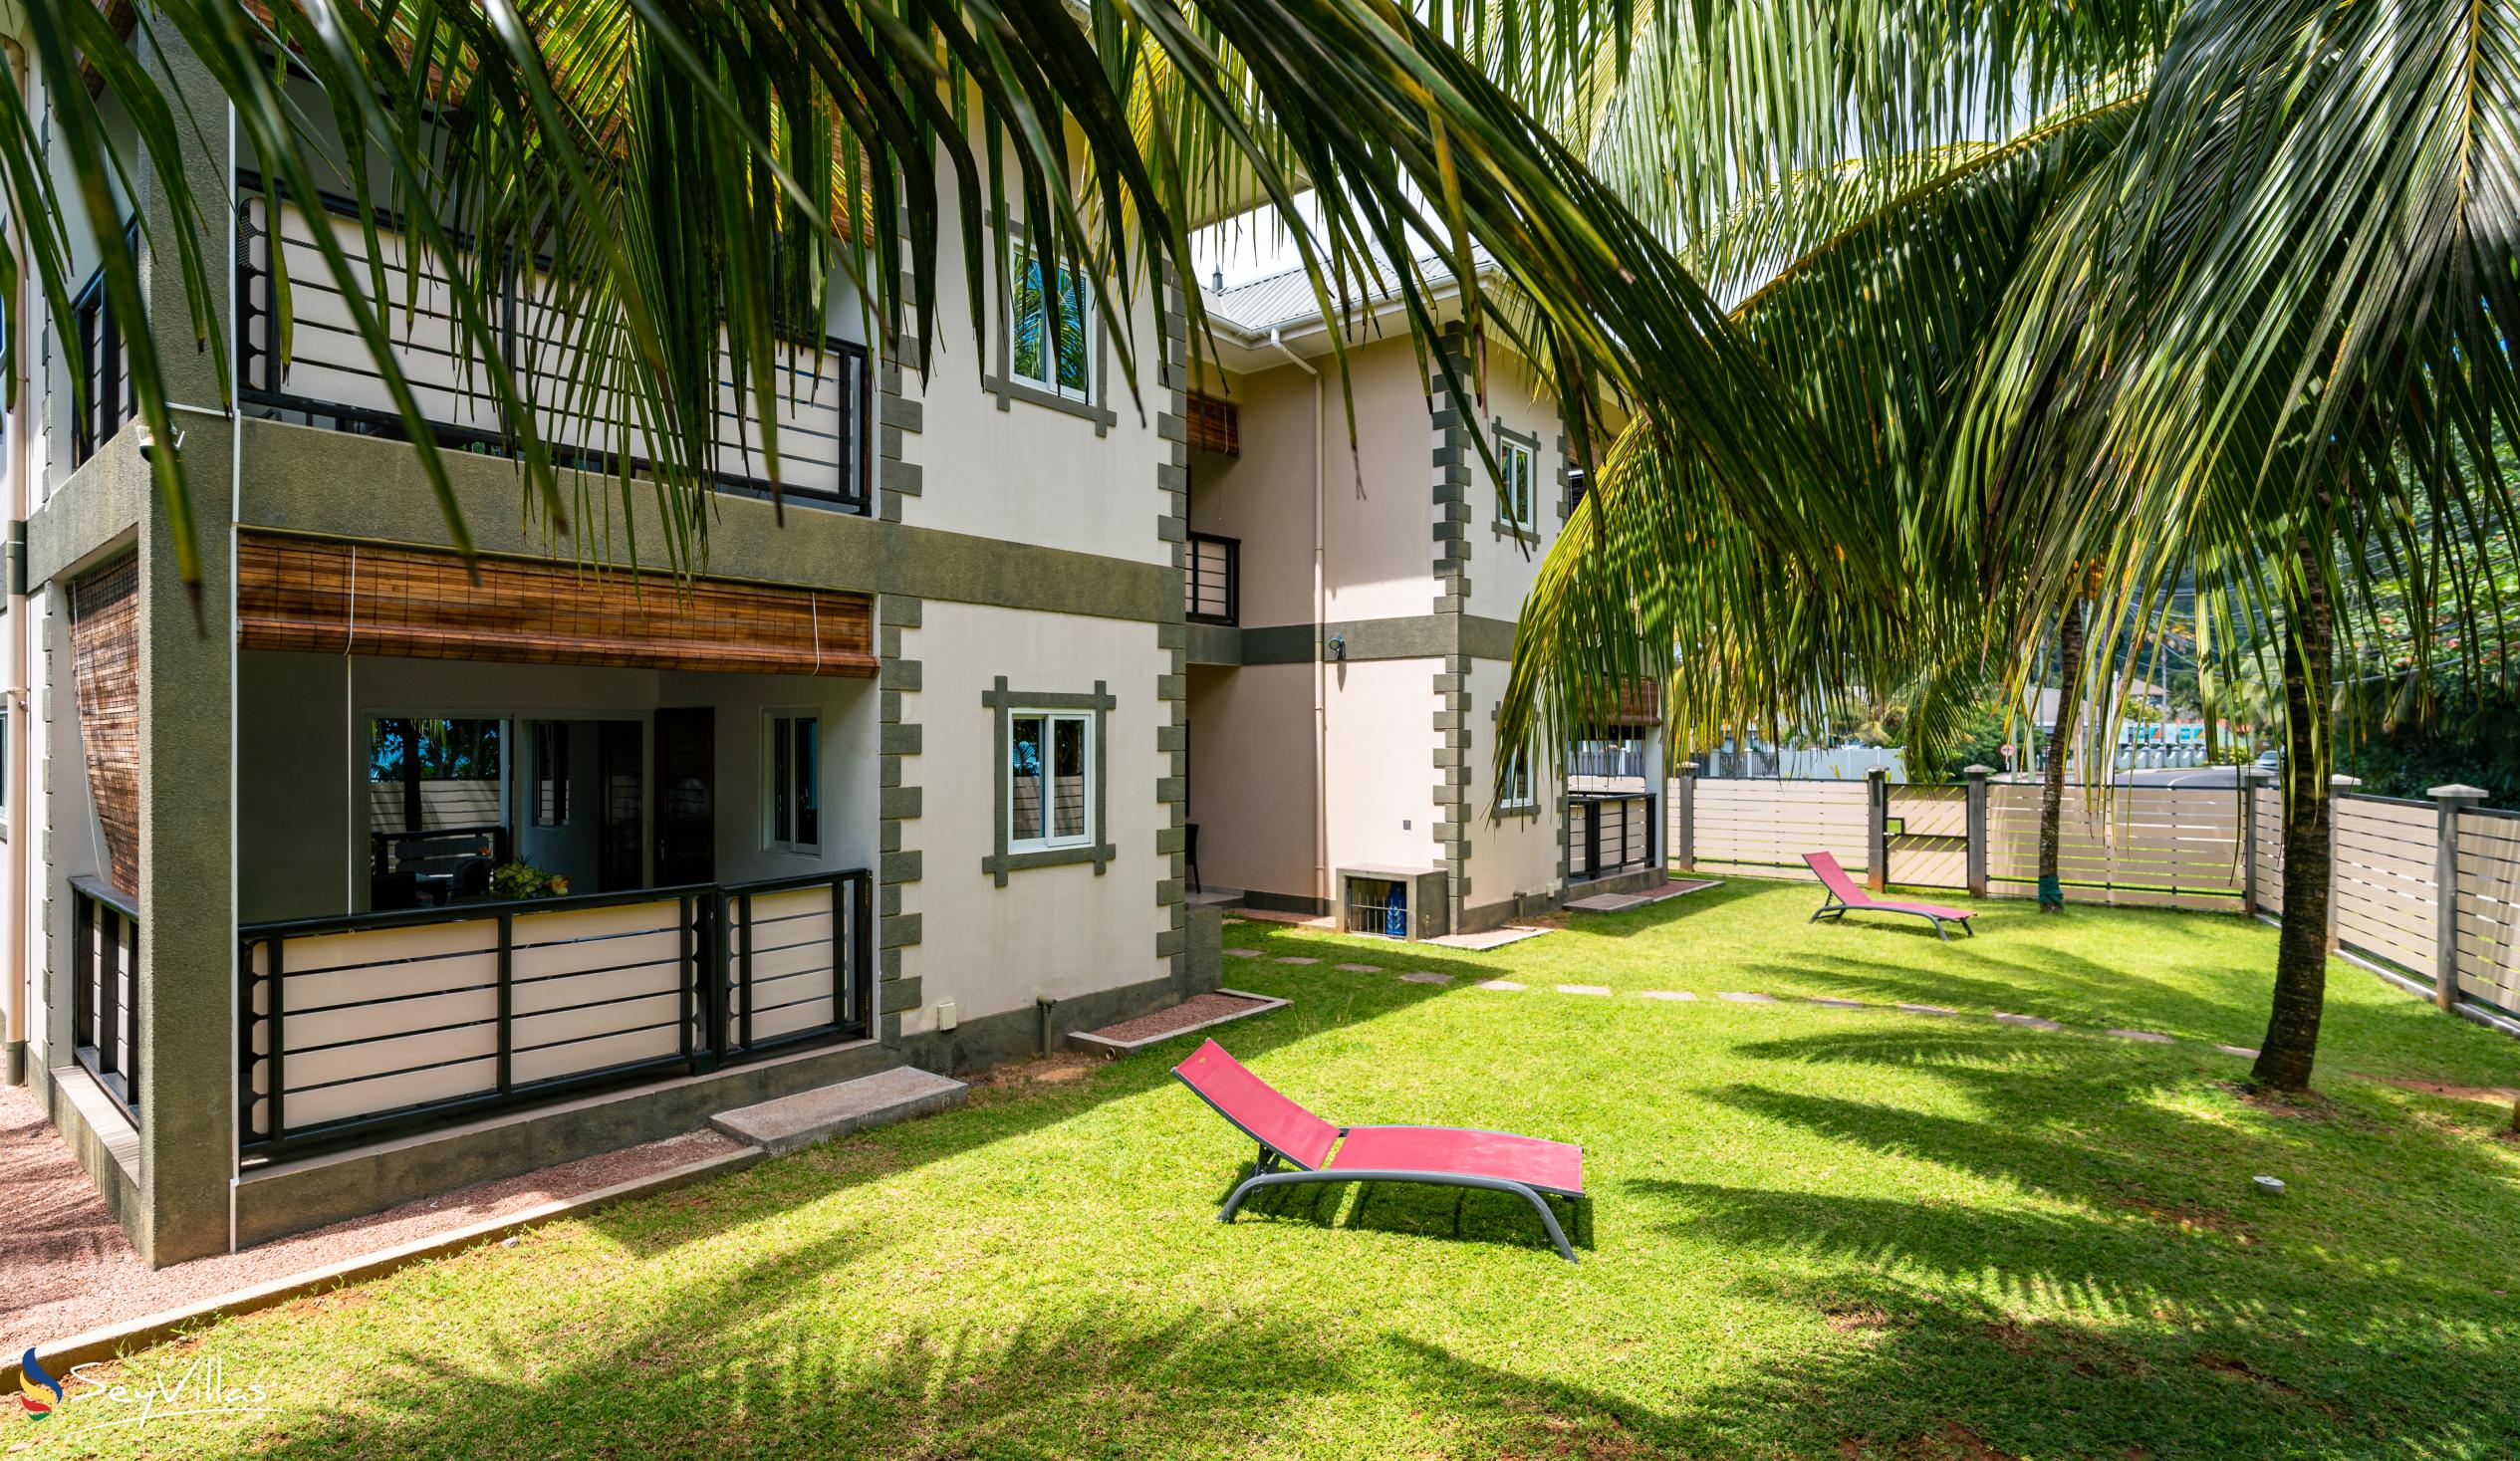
(521, 880)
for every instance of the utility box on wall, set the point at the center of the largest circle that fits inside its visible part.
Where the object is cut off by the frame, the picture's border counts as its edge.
(1392, 903)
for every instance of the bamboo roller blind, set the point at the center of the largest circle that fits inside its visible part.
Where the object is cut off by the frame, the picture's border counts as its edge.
(328, 598)
(104, 648)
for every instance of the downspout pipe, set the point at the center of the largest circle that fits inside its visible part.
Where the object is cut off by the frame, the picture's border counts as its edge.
(1321, 616)
(14, 661)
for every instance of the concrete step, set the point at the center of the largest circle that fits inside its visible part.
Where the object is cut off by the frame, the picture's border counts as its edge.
(898, 1094)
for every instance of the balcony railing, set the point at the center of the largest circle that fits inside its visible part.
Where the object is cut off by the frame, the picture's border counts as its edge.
(824, 390)
(362, 1028)
(105, 990)
(1608, 835)
(1213, 588)
(107, 398)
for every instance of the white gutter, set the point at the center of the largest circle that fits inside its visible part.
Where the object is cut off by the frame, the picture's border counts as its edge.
(1321, 694)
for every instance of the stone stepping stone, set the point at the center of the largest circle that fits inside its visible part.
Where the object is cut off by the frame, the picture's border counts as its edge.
(2242, 1051)
(2032, 1021)
(1361, 968)
(1676, 996)
(1927, 1010)
(782, 1125)
(1423, 977)
(1837, 1003)
(2147, 1035)
(1745, 996)
(1494, 938)
(1295, 959)
(1242, 954)
(1583, 989)
(1508, 985)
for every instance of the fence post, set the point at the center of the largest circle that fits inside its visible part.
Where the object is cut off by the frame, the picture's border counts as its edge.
(2339, 788)
(2251, 778)
(1684, 793)
(1876, 841)
(2450, 800)
(1977, 776)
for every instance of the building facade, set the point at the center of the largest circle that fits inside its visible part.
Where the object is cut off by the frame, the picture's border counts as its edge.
(377, 861)
(893, 775)
(1352, 607)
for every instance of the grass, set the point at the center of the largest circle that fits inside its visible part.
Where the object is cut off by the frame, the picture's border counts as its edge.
(1813, 1232)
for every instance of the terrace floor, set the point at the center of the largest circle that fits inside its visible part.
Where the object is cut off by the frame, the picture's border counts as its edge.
(1815, 1229)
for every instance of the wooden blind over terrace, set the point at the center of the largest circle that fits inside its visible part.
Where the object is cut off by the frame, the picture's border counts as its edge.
(1640, 704)
(328, 598)
(1213, 424)
(104, 648)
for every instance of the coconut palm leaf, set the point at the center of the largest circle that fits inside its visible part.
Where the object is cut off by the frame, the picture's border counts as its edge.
(695, 179)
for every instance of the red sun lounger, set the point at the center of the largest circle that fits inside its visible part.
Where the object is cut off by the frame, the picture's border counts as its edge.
(1293, 1138)
(1844, 897)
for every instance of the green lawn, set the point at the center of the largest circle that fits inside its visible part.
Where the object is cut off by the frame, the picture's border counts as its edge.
(1814, 1232)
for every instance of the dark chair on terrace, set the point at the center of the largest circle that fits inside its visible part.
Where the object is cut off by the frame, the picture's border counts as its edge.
(1844, 897)
(1293, 1138)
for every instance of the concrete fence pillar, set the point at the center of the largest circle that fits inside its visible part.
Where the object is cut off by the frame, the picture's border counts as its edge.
(2449, 802)
(1877, 839)
(1683, 849)
(2339, 788)
(1977, 776)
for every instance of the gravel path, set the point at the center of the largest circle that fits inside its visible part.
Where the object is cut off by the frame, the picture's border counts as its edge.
(66, 1268)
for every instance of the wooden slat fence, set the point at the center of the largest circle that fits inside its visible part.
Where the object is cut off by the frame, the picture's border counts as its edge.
(2383, 877)
(2488, 907)
(1764, 827)
(1928, 836)
(2143, 847)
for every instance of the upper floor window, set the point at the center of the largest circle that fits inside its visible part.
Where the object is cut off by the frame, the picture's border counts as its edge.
(1513, 784)
(1516, 498)
(1577, 479)
(1067, 371)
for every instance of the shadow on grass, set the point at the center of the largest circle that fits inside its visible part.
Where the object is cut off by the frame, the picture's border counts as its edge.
(1418, 1209)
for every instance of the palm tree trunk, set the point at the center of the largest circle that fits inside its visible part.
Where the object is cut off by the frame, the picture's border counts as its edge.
(2069, 699)
(2301, 952)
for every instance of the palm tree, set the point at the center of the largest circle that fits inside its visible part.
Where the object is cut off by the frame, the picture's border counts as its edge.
(701, 176)
(2259, 307)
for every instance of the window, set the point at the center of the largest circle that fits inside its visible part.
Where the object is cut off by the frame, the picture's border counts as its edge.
(1070, 374)
(792, 818)
(1575, 481)
(1513, 784)
(551, 774)
(1514, 493)
(1049, 790)
(426, 774)
(1049, 778)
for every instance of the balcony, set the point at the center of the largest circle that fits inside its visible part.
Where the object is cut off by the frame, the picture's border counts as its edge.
(104, 991)
(1212, 588)
(823, 387)
(105, 396)
(365, 1028)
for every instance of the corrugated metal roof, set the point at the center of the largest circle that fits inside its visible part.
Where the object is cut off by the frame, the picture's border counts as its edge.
(1285, 298)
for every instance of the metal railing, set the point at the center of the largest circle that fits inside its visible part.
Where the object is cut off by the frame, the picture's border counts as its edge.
(360, 1029)
(1608, 835)
(105, 990)
(825, 388)
(107, 395)
(1213, 588)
